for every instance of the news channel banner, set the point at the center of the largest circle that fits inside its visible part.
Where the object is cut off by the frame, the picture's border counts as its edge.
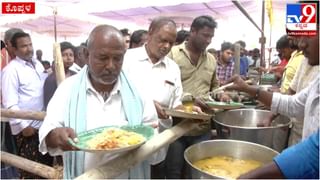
(302, 19)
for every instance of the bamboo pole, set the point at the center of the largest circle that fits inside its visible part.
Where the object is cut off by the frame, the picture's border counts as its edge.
(58, 63)
(262, 39)
(55, 12)
(22, 114)
(236, 69)
(123, 163)
(30, 166)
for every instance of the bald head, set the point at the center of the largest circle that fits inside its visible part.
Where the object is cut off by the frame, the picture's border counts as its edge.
(158, 22)
(105, 32)
(106, 49)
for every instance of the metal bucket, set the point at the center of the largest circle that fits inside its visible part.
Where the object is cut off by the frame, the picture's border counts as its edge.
(241, 124)
(234, 148)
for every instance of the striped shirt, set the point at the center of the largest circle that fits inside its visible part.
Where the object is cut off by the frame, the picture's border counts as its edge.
(224, 72)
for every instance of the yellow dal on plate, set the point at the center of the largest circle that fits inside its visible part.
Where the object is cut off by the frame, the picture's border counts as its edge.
(226, 166)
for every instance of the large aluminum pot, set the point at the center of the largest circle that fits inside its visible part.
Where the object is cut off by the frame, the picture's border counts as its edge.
(242, 124)
(234, 148)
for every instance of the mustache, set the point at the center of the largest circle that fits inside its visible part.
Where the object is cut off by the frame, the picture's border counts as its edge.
(164, 51)
(109, 73)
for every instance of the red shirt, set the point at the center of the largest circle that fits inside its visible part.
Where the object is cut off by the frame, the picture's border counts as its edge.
(283, 63)
(280, 67)
(5, 58)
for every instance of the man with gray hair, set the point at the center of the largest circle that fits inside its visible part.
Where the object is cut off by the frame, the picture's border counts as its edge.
(8, 143)
(157, 76)
(9, 54)
(22, 89)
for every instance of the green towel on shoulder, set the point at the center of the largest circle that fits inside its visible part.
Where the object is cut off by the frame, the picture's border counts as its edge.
(76, 118)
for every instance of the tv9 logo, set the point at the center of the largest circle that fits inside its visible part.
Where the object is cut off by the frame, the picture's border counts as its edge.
(301, 19)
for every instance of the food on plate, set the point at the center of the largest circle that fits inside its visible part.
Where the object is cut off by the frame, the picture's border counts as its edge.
(226, 166)
(183, 110)
(113, 138)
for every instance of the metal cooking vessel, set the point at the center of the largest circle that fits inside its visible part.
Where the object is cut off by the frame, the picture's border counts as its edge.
(234, 148)
(241, 124)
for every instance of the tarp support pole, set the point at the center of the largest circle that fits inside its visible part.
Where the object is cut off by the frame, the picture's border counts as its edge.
(239, 6)
(262, 38)
(236, 69)
(270, 49)
(55, 23)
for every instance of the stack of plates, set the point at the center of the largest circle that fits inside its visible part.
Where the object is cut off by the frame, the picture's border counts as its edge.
(268, 79)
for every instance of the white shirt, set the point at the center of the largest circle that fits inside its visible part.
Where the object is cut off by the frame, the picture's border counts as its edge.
(22, 89)
(304, 105)
(99, 113)
(160, 81)
(303, 77)
(75, 68)
(258, 62)
(250, 60)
